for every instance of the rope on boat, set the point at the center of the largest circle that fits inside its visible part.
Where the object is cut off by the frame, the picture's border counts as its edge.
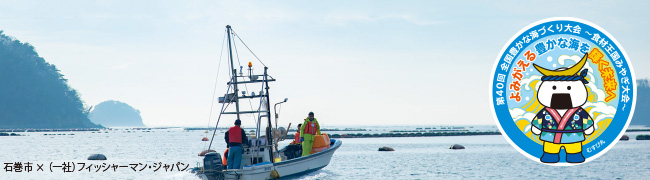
(223, 108)
(214, 91)
(249, 49)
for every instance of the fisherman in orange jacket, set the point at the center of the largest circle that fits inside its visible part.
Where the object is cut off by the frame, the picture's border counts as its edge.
(296, 138)
(224, 161)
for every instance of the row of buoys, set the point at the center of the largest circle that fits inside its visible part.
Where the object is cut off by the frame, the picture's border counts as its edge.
(124, 131)
(454, 146)
(419, 134)
(7, 134)
(638, 137)
(458, 146)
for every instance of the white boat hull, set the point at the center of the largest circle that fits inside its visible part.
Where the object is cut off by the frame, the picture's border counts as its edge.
(286, 169)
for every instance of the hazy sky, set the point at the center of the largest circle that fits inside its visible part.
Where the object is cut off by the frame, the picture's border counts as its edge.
(352, 63)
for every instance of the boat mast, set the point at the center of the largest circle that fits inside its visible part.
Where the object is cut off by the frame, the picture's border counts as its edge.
(234, 73)
(228, 98)
(269, 137)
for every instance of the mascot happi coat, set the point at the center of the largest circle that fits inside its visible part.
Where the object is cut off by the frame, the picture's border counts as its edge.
(563, 122)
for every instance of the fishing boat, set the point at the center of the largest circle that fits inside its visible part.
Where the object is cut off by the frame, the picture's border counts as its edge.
(262, 159)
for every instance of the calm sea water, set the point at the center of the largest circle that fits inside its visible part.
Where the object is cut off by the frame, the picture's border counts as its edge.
(486, 157)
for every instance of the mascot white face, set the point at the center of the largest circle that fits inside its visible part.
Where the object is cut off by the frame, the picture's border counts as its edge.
(562, 94)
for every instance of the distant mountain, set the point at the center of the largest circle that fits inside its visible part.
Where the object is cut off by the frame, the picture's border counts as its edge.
(33, 94)
(642, 109)
(115, 113)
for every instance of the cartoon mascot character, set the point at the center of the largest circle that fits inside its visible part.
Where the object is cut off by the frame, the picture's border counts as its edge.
(563, 122)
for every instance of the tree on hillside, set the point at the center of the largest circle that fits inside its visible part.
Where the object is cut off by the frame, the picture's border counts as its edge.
(33, 93)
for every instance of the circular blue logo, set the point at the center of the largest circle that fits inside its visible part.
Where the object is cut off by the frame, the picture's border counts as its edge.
(562, 91)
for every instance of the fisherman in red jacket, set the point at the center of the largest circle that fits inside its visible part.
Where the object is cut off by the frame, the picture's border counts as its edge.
(235, 137)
